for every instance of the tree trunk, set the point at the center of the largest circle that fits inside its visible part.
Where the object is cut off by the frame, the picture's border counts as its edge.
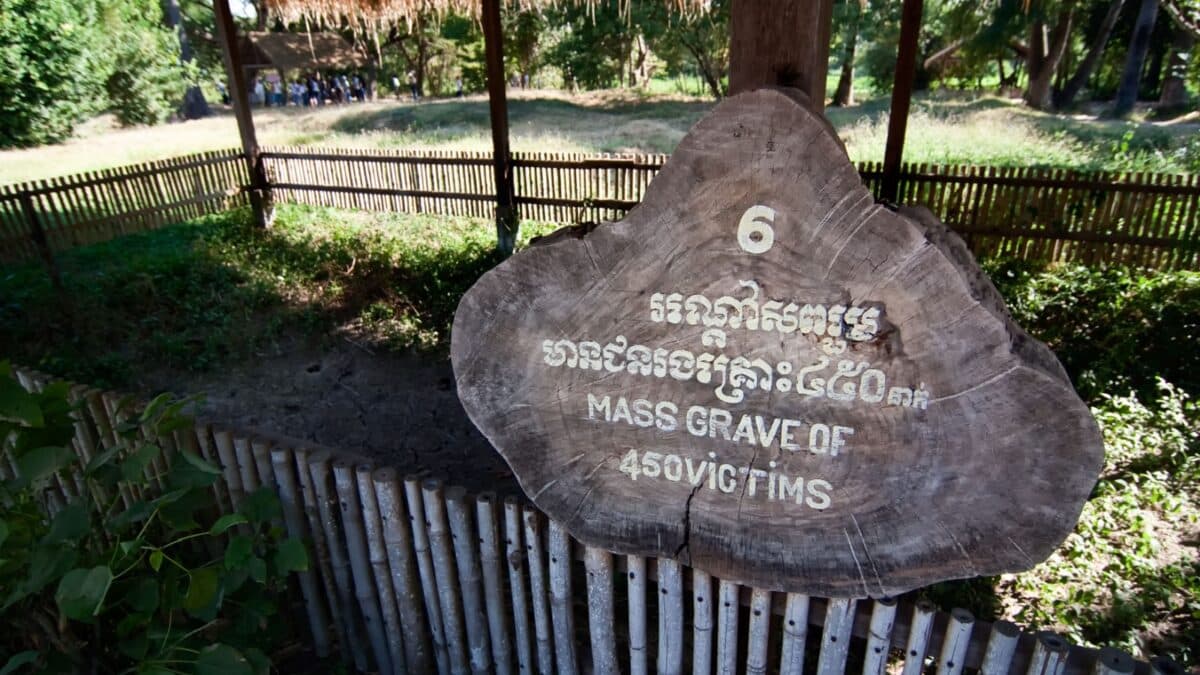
(708, 71)
(260, 14)
(1152, 73)
(1095, 50)
(1174, 88)
(422, 54)
(844, 94)
(1047, 57)
(1139, 45)
(194, 106)
(780, 43)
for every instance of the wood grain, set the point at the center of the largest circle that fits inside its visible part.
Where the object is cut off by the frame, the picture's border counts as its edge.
(987, 477)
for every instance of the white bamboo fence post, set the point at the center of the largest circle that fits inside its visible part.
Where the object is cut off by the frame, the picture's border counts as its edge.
(466, 557)
(519, 588)
(380, 570)
(1049, 654)
(106, 436)
(879, 640)
(702, 622)
(760, 631)
(918, 637)
(289, 500)
(229, 467)
(600, 611)
(835, 638)
(85, 443)
(398, 540)
(1001, 646)
(561, 602)
(360, 568)
(1112, 661)
(539, 590)
(670, 617)
(424, 556)
(493, 582)
(204, 444)
(312, 512)
(245, 464)
(82, 443)
(636, 593)
(727, 628)
(322, 478)
(795, 633)
(260, 448)
(129, 493)
(954, 645)
(446, 574)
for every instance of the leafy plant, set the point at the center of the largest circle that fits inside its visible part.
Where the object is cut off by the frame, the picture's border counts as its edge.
(122, 563)
(1115, 328)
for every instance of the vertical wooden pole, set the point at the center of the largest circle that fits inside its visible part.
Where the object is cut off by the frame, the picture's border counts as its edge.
(902, 86)
(780, 43)
(260, 198)
(40, 240)
(506, 211)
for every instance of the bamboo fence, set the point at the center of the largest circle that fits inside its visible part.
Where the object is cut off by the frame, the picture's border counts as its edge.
(1143, 219)
(43, 217)
(408, 575)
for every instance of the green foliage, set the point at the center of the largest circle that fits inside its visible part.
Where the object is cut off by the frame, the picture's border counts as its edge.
(196, 296)
(135, 573)
(68, 59)
(1128, 576)
(50, 52)
(1114, 329)
(147, 81)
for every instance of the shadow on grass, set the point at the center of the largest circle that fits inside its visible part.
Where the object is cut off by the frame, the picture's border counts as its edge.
(199, 295)
(562, 117)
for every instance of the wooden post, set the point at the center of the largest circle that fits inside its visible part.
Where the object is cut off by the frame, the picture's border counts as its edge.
(780, 43)
(902, 86)
(260, 196)
(506, 212)
(38, 233)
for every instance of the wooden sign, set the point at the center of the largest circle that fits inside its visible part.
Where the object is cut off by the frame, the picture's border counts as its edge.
(763, 373)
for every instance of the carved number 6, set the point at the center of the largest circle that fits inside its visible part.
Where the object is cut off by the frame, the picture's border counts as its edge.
(754, 231)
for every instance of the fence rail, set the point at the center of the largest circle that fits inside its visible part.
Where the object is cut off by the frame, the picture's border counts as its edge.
(411, 576)
(42, 217)
(1048, 214)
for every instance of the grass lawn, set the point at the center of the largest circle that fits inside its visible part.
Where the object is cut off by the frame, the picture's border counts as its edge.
(202, 296)
(943, 128)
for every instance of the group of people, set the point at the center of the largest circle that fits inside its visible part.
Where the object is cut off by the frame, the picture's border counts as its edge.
(311, 91)
(414, 86)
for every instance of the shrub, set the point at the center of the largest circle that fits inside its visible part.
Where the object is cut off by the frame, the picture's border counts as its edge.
(1114, 329)
(50, 52)
(136, 572)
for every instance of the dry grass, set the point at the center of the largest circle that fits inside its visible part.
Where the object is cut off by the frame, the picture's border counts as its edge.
(984, 130)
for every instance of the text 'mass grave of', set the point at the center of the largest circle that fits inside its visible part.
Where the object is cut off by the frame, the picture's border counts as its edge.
(764, 374)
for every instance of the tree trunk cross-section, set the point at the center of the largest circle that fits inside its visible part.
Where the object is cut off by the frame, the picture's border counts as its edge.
(762, 373)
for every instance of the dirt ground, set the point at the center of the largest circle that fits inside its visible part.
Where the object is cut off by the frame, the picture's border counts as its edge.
(397, 409)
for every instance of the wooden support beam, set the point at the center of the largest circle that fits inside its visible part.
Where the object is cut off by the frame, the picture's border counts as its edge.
(507, 220)
(780, 43)
(902, 86)
(260, 195)
(38, 234)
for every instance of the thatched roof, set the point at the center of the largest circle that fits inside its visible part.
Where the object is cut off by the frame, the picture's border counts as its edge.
(299, 51)
(379, 13)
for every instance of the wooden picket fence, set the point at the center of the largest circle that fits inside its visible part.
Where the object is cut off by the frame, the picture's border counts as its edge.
(410, 576)
(1150, 220)
(43, 217)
